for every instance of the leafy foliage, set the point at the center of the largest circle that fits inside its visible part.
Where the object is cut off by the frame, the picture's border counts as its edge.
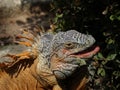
(102, 20)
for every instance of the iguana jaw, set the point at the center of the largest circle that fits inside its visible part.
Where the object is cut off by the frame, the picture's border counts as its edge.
(64, 67)
(88, 53)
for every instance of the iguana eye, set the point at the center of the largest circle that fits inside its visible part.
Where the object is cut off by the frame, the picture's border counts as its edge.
(69, 45)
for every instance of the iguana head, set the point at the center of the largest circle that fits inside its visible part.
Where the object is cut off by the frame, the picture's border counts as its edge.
(66, 51)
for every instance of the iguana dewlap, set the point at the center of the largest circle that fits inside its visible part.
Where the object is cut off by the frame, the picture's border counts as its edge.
(56, 57)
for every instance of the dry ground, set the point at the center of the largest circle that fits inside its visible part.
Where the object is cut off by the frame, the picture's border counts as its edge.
(12, 26)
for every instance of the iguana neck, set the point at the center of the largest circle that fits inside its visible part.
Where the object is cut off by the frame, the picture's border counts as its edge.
(77, 81)
(43, 73)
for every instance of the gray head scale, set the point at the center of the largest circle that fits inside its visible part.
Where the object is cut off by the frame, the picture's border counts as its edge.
(72, 36)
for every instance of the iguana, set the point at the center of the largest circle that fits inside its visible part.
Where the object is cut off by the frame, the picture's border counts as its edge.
(52, 62)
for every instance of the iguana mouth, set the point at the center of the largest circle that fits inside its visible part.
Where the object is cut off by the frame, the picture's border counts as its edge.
(86, 53)
(65, 68)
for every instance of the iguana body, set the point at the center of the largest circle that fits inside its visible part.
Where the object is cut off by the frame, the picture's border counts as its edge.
(27, 79)
(54, 61)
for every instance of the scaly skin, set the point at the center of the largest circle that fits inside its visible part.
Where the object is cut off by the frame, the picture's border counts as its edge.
(58, 60)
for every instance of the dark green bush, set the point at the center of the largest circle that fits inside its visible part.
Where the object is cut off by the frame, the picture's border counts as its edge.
(101, 18)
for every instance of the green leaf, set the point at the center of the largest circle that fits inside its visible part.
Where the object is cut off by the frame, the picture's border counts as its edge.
(59, 15)
(101, 71)
(111, 56)
(82, 63)
(110, 41)
(112, 17)
(118, 18)
(116, 73)
(100, 55)
(104, 62)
